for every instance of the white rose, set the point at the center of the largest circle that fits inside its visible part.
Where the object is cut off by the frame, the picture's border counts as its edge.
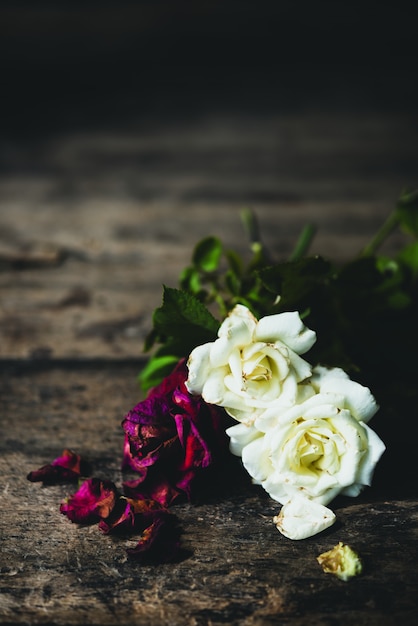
(316, 449)
(252, 363)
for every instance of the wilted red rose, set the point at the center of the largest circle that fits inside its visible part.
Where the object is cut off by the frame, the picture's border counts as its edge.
(170, 437)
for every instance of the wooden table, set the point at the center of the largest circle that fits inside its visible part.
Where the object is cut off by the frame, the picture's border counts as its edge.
(92, 223)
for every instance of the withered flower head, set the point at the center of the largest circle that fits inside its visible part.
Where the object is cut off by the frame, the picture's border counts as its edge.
(170, 437)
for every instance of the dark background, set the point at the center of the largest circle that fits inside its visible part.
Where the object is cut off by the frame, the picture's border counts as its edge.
(68, 65)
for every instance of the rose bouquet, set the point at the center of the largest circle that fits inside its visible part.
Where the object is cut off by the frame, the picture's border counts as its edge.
(269, 362)
(287, 361)
(301, 431)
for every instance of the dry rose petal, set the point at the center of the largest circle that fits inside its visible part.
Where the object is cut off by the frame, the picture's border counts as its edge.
(145, 506)
(66, 468)
(155, 485)
(128, 515)
(160, 540)
(170, 437)
(94, 500)
(160, 533)
(122, 518)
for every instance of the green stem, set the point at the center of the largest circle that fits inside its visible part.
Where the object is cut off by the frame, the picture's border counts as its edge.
(303, 243)
(388, 226)
(260, 253)
(250, 224)
(221, 304)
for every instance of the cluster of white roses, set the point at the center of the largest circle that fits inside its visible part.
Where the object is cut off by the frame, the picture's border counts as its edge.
(302, 431)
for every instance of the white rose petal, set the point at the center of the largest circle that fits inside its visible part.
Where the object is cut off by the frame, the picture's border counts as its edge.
(220, 351)
(256, 459)
(301, 368)
(375, 449)
(239, 312)
(358, 399)
(241, 435)
(213, 389)
(236, 336)
(320, 372)
(287, 328)
(301, 518)
(199, 367)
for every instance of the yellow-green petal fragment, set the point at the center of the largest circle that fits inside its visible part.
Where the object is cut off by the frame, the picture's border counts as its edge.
(341, 561)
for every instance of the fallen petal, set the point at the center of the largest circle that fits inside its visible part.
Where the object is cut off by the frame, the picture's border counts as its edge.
(341, 561)
(92, 502)
(121, 519)
(301, 518)
(67, 468)
(155, 487)
(129, 516)
(160, 541)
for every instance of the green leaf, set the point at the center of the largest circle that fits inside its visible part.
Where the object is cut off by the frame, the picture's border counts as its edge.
(371, 286)
(155, 370)
(207, 254)
(407, 211)
(392, 286)
(232, 283)
(235, 262)
(189, 280)
(408, 258)
(361, 273)
(184, 319)
(150, 339)
(294, 281)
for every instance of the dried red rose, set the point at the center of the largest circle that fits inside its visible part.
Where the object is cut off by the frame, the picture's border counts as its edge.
(94, 501)
(66, 468)
(169, 438)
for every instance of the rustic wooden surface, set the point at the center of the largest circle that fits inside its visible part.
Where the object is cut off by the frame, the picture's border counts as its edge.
(96, 215)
